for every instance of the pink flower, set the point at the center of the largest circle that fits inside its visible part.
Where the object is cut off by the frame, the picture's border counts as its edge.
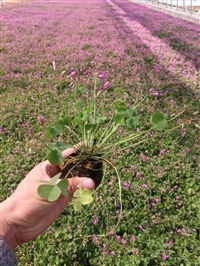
(112, 253)
(123, 242)
(73, 74)
(156, 93)
(106, 85)
(164, 256)
(140, 226)
(94, 221)
(178, 231)
(118, 237)
(41, 119)
(132, 238)
(95, 238)
(103, 76)
(104, 246)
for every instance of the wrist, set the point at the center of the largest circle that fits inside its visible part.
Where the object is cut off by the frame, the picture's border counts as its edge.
(7, 226)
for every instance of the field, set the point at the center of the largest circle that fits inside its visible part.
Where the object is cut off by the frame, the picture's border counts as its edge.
(138, 49)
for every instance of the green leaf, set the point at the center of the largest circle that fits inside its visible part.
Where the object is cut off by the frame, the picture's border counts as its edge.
(54, 194)
(81, 90)
(118, 119)
(80, 103)
(48, 134)
(156, 118)
(50, 147)
(78, 193)
(64, 121)
(55, 178)
(119, 103)
(72, 106)
(55, 157)
(86, 196)
(44, 191)
(130, 122)
(88, 126)
(63, 185)
(86, 199)
(85, 116)
(161, 124)
(77, 205)
(131, 113)
(122, 111)
(56, 130)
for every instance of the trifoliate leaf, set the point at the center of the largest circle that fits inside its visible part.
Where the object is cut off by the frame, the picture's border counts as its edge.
(130, 122)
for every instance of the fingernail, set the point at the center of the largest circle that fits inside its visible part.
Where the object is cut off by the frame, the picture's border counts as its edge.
(88, 183)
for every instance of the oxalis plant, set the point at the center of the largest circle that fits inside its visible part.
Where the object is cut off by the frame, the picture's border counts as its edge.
(92, 126)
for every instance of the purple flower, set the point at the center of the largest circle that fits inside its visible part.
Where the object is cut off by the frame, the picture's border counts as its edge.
(73, 74)
(94, 221)
(156, 93)
(95, 238)
(178, 231)
(54, 65)
(123, 242)
(132, 238)
(103, 76)
(140, 226)
(41, 119)
(104, 246)
(106, 85)
(171, 242)
(117, 211)
(127, 186)
(118, 237)
(112, 253)
(164, 256)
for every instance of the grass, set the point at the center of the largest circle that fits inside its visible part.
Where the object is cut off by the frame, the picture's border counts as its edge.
(160, 179)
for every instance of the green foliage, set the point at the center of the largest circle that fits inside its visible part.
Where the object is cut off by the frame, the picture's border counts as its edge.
(82, 197)
(52, 189)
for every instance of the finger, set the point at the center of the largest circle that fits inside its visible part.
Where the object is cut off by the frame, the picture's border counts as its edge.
(77, 181)
(67, 152)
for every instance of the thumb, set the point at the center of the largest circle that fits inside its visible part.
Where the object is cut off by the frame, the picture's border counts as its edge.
(77, 181)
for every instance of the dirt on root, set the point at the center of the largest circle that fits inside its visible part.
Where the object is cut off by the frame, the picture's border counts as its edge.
(84, 168)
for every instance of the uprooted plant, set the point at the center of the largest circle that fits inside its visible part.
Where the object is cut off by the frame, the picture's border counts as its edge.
(92, 126)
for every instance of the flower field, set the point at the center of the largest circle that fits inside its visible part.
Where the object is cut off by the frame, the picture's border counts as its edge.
(136, 48)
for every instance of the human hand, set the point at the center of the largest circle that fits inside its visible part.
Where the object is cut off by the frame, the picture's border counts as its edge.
(24, 215)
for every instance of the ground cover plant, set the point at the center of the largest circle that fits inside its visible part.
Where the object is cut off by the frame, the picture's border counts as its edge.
(160, 179)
